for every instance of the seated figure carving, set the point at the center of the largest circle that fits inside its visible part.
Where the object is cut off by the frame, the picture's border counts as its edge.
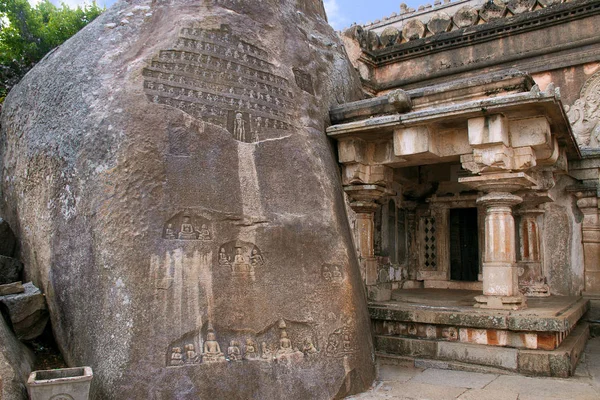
(223, 259)
(170, 232)
(191, 357)
(212, 350)
(204, 233)
(233, 351)
(176, 356)
(266, 352)
(337, 274)
(187, 230)
(309, 348)
(250, 351)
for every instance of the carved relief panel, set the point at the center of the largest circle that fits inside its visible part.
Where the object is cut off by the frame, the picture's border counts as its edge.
(584, 114)
(217, 77)
(187, 226)
(241, 257)
(282, 341)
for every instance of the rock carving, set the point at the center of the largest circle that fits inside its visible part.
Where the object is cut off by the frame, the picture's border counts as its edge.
(242, 257)
(217, 77)
(186, 226)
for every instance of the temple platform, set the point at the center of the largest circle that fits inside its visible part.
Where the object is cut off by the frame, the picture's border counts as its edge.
(441, 325)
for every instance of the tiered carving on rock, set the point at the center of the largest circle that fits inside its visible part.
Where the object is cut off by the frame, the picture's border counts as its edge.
(584, 114)
(217, 77)
(440, 22)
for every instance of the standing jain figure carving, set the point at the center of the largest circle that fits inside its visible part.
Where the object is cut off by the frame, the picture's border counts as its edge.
(239, 128)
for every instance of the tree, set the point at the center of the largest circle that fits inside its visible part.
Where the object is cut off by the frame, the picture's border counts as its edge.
(28, 33)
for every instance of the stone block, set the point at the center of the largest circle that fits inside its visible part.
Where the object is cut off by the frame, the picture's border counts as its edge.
(493, 129)
(406, 347)
(28, 312)
(8, 241)
(499, 279)
(533, 132)
(412, 141)
(351, 151)
(11, 288)
(477, 354)
(379, 292)
(11, 270)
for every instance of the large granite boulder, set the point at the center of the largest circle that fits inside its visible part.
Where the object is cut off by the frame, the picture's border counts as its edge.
(179, 204)
(15, 365)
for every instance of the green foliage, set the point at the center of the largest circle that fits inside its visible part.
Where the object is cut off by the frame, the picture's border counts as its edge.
(28, 33)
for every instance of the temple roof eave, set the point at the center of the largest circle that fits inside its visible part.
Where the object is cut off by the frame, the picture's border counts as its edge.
(514, 106)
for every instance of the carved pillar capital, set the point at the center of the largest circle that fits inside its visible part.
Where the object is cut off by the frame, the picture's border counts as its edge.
(365, 198)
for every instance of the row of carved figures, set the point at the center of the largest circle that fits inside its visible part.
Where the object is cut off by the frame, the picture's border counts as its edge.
(212, 350)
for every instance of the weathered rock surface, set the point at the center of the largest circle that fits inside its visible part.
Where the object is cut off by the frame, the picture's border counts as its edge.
(11, 270)
(8, 242)
(28, 312)
(179, 204)
(15, 365)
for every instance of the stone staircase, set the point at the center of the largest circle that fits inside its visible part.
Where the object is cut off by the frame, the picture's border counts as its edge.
(546, 339)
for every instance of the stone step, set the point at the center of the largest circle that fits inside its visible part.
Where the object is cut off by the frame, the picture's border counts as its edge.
(560, 362)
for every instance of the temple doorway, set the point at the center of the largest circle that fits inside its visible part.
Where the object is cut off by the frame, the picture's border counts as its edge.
(464, 244)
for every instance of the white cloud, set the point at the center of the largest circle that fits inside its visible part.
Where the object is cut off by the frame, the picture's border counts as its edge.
(334, 15)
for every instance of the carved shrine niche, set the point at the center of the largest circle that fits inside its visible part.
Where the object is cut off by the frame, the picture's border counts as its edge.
(584, 114)
(215, 76)
(187, 226)
(241, 257)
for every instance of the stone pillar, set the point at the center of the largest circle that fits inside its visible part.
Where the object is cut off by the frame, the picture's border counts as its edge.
(364, 200)
(591, 243)
(500, 275)
(531, 276)
(500, 272)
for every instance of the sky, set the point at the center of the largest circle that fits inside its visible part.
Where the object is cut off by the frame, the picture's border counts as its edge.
(341, 13)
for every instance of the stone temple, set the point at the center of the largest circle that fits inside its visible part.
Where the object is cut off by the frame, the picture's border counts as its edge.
(227, 199)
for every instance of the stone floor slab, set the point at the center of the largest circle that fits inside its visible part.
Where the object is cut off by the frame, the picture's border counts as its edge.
(424, 391)
(458, 379)
(544, 388)
(484, 394)
(397, 373)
